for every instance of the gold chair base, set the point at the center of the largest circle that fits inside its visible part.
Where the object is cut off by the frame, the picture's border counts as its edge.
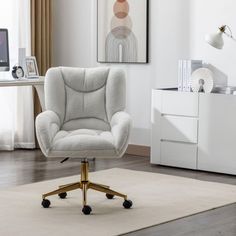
(84, 185)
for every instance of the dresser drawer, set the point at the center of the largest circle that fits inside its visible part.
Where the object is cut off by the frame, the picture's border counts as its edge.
(180, 129)
(179, 103)
(179, 155)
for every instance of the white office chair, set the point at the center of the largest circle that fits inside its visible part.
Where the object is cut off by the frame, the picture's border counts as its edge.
(84, 118)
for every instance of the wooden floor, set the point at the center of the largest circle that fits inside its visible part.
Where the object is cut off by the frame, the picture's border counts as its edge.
(23, 167)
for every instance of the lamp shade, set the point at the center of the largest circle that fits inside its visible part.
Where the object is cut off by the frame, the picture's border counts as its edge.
(215, 40)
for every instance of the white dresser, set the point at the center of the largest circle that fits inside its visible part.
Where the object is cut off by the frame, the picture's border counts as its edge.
(195, 131)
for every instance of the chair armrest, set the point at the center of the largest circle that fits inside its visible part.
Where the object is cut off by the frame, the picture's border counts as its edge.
(120, 129)
(47, 125)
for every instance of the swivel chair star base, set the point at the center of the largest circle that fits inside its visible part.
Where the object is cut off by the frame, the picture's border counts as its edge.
(84, 185)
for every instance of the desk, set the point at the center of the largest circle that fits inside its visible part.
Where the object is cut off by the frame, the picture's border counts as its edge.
(37, 83)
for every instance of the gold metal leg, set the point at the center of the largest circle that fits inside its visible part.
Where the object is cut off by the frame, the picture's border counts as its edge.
(84, 190)
(63, 190)
(105, 186)
(84, 171)
(100, 188)
(66, 185)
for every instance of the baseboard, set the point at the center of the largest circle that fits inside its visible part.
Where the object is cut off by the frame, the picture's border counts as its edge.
(138, 150)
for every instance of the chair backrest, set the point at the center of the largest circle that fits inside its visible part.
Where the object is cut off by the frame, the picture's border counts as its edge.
(85, 98)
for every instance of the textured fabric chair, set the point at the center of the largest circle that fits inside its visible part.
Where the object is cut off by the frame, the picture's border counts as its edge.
(84, 118)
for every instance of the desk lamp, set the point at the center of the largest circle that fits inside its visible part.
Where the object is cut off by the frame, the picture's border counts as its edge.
(216, 39)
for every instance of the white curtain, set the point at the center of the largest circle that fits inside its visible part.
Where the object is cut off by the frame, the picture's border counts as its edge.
(16, 103)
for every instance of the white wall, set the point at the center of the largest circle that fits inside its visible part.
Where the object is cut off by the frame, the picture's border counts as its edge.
(75, 45)
(72, 33)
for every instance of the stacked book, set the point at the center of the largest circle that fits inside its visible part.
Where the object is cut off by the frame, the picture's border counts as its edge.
(185, 70)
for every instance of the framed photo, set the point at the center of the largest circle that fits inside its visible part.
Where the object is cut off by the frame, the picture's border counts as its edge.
(31, 67)
(122, 31)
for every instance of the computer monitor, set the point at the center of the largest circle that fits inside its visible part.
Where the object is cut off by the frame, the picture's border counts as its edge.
(4, 50)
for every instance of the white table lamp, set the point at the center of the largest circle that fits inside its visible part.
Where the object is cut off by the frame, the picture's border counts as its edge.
(216, 40)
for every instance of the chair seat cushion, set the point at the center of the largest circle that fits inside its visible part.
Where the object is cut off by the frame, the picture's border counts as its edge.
(83, 142)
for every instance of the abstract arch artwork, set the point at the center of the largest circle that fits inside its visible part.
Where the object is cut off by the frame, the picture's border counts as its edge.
(122, 31)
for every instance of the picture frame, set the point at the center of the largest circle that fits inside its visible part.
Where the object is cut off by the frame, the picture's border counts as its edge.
(31, 67)
(123, 31)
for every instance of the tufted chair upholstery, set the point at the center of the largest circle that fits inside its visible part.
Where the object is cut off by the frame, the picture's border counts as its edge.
(84, 114)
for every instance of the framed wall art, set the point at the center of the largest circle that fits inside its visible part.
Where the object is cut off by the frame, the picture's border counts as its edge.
(122, 31)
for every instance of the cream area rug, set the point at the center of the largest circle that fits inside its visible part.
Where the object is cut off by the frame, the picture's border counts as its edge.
(157, 199)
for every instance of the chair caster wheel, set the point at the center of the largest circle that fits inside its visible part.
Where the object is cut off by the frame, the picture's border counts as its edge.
(62, 195)
(127, 204)
(46, 203)
(109, 196)
(86, 210)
